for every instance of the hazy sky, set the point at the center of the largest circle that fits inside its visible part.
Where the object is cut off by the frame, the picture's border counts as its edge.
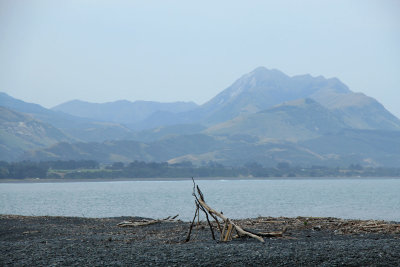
(99, 51)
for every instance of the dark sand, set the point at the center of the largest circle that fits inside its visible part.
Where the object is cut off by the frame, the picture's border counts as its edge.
(71, 241)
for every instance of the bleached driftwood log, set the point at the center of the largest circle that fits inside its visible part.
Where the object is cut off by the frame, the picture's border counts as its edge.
(146, 222)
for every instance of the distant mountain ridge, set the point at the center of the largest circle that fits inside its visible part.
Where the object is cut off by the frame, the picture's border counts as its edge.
(253, 92)
(263, 88)
(122, 111)
(265, 116)
(82, 129)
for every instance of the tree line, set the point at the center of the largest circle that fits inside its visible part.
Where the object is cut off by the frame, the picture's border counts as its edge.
(29, 169)
(140, 169)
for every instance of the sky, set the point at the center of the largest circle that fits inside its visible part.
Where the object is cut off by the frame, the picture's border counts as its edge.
(178, 50)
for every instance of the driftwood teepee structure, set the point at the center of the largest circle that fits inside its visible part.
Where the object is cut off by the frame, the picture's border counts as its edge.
(226, 227)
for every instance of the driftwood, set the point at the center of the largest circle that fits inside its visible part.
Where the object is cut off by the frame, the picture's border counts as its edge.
(226, 233)
(336, 225)
(145, 222)
(267, 234)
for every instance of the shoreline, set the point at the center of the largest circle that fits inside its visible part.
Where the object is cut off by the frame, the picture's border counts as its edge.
(122, 217)
(178, 179)
(66, 241)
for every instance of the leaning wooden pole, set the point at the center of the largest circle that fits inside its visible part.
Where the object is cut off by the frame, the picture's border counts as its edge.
(208, 221)
(191, 225)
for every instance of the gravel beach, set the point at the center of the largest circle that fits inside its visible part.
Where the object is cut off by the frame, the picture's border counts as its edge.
(72, 241)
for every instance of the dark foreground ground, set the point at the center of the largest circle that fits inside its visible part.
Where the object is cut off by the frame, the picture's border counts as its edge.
(67, 241)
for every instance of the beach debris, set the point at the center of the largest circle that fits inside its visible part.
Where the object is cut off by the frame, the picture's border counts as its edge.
(145, 222)
(228, 226)
(336, 225)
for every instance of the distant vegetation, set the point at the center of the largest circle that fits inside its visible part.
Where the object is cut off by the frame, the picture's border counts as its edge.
(44, 169)
(89, 169)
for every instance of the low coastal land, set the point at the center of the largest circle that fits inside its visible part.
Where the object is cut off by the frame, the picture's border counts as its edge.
(169, 179)
(66, 241)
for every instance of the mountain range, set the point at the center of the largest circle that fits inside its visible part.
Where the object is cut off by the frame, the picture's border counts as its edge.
(122, 111)
(265, 116)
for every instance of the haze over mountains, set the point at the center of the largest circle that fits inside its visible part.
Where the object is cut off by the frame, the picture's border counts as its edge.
(265, 117)
(121, 111)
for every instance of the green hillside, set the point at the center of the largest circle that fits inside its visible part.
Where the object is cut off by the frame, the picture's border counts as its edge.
(293, 121)
(82, 129)
(358, 111)
(126, 151)
(20, 132)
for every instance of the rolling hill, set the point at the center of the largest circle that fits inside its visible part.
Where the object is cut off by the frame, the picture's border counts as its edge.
(82, 129)
(358, 111)
(126, 150)
(20, 132)
(296, 120)
(365, 147)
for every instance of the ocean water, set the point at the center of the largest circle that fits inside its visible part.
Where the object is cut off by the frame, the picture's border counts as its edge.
(354, 198)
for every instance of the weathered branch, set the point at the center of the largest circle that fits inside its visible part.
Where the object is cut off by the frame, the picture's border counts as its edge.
(191, 225)
(146, 222)
(267, 234)
(208, 221)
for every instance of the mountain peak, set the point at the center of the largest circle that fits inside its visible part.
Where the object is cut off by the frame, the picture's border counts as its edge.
(263, 88)
(262, 73)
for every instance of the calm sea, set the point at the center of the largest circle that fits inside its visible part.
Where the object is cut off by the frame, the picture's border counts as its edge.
(377, 198)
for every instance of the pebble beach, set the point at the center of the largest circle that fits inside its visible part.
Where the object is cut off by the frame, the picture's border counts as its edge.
(75, 241)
